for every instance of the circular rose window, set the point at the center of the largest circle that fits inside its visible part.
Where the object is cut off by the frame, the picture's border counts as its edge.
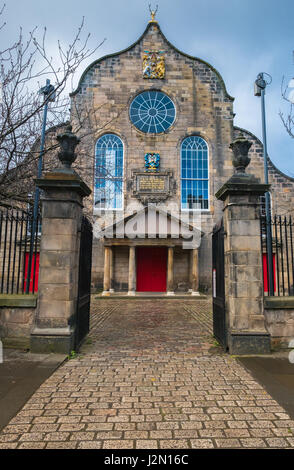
(152, 112)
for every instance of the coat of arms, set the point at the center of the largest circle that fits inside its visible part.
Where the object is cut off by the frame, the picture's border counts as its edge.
(152, 161)
(153, 64)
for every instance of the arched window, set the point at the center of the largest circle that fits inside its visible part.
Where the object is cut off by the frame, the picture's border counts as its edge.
(109, 158)
(194, 173)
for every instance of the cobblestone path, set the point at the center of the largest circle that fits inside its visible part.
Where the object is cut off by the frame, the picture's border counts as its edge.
(150, 376)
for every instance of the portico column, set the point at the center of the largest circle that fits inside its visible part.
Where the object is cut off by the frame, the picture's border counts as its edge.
(190, 271)
(170, 271)
(195, 275)
(106, 283)
(111, 280)
(132, 270)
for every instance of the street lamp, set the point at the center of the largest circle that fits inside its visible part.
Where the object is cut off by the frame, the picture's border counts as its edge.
(48, 91)
(263, 79)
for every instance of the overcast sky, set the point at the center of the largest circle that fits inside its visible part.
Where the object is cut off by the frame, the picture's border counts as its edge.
(240, 38)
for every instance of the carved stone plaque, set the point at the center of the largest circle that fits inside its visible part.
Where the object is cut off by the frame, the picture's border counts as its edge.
(151, 183)
(152, 187)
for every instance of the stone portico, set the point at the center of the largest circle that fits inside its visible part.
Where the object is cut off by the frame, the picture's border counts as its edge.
(163, 251)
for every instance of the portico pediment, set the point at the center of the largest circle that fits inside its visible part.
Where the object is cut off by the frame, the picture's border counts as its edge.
(154, 223)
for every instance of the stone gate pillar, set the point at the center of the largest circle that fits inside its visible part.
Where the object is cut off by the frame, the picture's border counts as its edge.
(62, 204)
(243, 256)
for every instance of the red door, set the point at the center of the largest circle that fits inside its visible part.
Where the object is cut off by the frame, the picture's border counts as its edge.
(151, 269)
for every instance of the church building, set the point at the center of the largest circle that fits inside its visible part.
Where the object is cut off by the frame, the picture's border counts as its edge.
(156, 163)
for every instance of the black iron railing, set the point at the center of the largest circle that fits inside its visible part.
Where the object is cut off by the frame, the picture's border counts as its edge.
(16, 238)
(282, 229)
(218, 285)
(84, 285)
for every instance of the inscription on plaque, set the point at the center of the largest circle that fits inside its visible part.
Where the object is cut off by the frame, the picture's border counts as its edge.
(151, 183)
(150, 187)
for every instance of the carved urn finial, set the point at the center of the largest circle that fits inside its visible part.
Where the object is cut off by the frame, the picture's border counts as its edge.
(68, 142)
(240, 147)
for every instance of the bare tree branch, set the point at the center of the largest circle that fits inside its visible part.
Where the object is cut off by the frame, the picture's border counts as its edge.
(23, 66)
(288, 118)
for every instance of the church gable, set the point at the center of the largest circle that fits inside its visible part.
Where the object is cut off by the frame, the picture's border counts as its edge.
(195, 91)
(152, 40)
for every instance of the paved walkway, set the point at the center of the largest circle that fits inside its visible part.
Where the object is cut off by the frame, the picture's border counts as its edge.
(21, 374)
(150, 376)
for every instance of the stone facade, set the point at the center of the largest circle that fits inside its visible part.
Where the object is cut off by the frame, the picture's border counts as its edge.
(203, 108)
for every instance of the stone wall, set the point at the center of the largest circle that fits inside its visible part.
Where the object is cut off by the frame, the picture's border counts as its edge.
(279, 320)
(16, 316)
(16, 322)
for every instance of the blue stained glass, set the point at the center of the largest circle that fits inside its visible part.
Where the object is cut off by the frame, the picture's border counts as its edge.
(108, 192)
(194, 182)
(152, 112)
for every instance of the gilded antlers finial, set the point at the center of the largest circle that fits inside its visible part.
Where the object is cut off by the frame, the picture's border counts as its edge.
(153, 13)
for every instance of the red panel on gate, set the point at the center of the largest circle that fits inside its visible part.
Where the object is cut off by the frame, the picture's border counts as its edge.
(35, 267)
(151, 269)
(265, 272)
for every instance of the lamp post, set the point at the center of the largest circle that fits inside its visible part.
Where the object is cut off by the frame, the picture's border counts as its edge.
(259, 90)
(48, 92)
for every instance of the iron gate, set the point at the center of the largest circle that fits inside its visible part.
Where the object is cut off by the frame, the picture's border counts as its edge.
(218, 285)
(84, 286)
